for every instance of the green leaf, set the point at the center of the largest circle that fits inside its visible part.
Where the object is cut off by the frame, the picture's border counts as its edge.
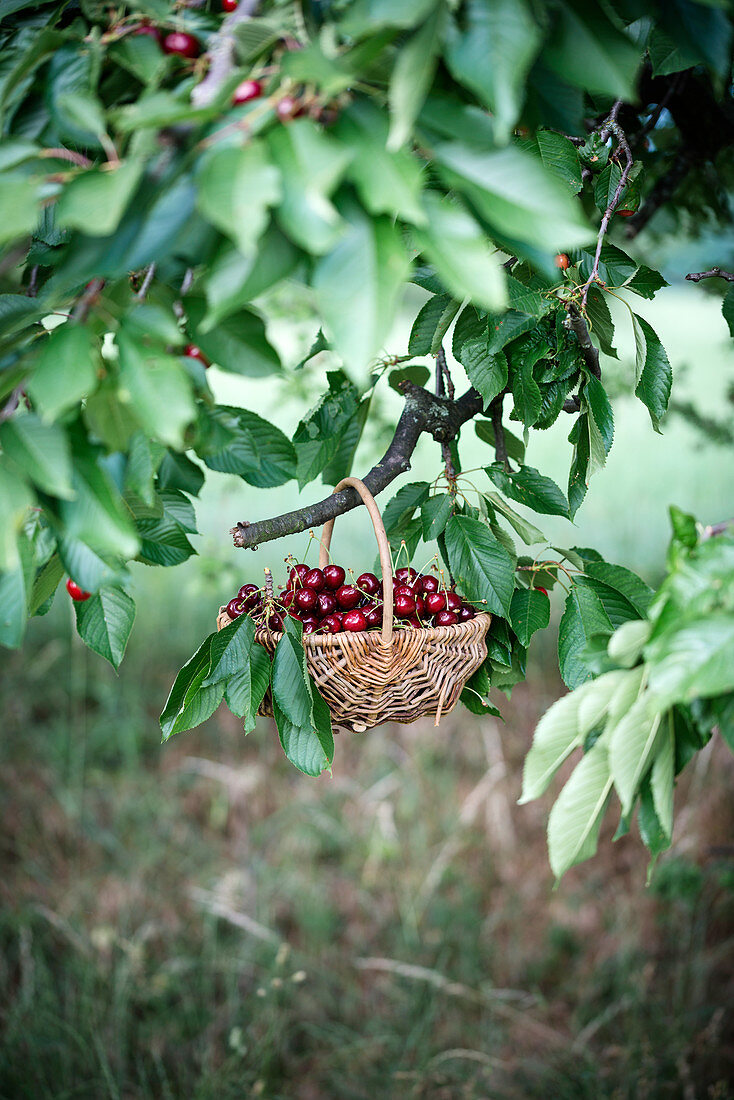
(290, 682)
(600, 321)
(727, 308)
(163, 542)
(302, 717)
(400, 510)
(435, 513)
(529, 487)
(96, 513)
(237, 441)
(230, 650)
(176, 471)
(560, 157)
(512, 191)
(95, 201)
(482, 567)
(311, 166)
(19, 207)
(388, 182)
(245, 690)
(189, 704)
(457, 246)
(15, 500)
(586, 49)
(655, 377)
(104, 622)
(304, 745)
(15, 588)
(646, 282)
(45, 584)
(601, 410)
(662, 776)
(583, 617)
(492, 54)
(358, 285)
(65, 372)
(232, 279)
(237, 185)
(432, 324)
(238, 343)
(527, 531)
(528, 400)
(693, 659)
(41, 451)
(575, 820)
(627, 583)
(319, 436)
(632, 746)
(563, 728)
(529, 611)
(486, 372)
(411, 77)
(578, 476)
(88, 568)
(157, 389)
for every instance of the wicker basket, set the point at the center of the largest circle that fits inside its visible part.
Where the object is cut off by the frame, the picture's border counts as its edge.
(392, 675)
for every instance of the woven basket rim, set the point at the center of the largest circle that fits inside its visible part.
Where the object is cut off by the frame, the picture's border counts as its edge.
(425, 633)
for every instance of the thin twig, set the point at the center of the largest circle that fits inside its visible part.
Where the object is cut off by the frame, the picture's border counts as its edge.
(81, 310)
(610, 125)
(59, 153)
(714, 273)
(222, 55)
(500, 443)
(11, 404)
(32, 288)
(145, 287)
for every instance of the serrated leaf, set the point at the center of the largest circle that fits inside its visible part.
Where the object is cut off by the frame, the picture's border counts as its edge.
(237, 441)
(578, 475)
(727, 308)
(655, 376)
(632, 746)
(601, 410)
(237, 185)
(529, 611)
(483, 569)
(693, 659)
(435, 513)
(575, 820)
(623, 580)
(411, 77)
(601, 325)
(515, 446)
(41, 451)
(104, 622)
(560, 157)
(95, 201)
(529, 487)
(432, 324)
(662, 776)
(626, 644)
(163, 542)
(157, 389)
(290, 682)
(189, 704)
(45, 584)
(646, 282)
(583, 617)
(304, 746)
(245, 690)
(65, 371)
(230, 650)
(527, 531)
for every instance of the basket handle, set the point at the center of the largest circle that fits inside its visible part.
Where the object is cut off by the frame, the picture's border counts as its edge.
(383, 545)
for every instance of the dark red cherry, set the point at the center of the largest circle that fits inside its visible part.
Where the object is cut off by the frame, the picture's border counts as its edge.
(274, 621)
(334, 576)
(326, 604)
(453, 601)
(369, 583)
(315, 579)
(429, 584)
(420, 606)
(306, 599)
(446, 618)
(466, 613)
(288, 108)
(191, 351)
(348, 597)
(435, 602)
(247, 90)
(235, 608)
(178, 42)
(229, 5)
(296, 575)
(415, 623)
(543, 590)
(354, 621)
(404, 606)
(332, 624)
(287, 598)
(250, 595)
(77, 593)
(406, 575)
(373, 617)
(310, 623)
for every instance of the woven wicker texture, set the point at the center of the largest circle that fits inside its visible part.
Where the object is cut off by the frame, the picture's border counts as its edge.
(396, 675)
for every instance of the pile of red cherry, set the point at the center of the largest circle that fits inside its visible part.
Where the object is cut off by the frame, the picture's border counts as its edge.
(323, 602)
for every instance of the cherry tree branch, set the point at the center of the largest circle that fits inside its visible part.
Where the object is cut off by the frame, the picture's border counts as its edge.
(222, 55)
(714, 273)
(422, 412)
(11, 404)
(611, 125)
(445, 384)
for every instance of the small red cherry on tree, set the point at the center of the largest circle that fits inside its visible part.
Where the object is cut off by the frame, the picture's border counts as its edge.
(288, 108)
(562, 261)
(76, 591)
(181, 44)
(191, 351)
(543, 590)
(229, 5)
(247, 90)
(626, 213)
(147, 29)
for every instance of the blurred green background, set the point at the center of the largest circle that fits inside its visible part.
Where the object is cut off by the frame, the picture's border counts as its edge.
(200, 920)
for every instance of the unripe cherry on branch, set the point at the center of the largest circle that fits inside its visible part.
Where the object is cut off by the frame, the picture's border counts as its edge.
(562, 261)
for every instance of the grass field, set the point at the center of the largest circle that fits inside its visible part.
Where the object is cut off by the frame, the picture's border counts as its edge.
(200, 921)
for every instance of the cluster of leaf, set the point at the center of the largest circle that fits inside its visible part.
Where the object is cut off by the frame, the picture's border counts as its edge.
(652, 676)
(231, 665)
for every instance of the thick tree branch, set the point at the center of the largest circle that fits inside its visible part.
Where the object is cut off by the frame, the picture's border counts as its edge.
(222, 55)
(714, 273)
(423, 412)
(580, 329)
